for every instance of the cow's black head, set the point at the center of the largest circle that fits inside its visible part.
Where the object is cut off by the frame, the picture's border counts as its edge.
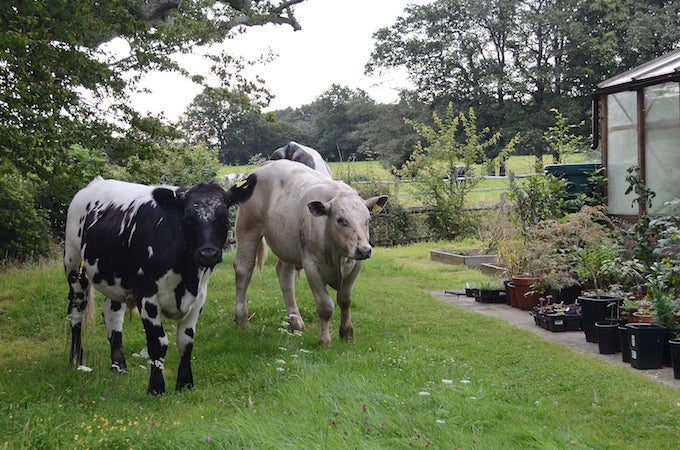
(204, 214)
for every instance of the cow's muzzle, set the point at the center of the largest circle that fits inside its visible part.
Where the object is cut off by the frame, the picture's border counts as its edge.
(363, 252)
(208, 256)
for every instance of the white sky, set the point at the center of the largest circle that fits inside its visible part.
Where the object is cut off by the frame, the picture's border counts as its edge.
(333, 46)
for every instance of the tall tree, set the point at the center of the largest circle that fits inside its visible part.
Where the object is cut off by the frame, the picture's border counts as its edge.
(64, 94)
(60, 87)
(515, 59)
(226, 120)
(332, 123)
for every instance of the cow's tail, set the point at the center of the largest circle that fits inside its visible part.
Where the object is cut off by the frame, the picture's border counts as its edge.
(261, 255)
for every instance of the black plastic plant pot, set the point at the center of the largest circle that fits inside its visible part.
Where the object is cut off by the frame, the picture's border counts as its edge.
(646, 345)
(596, 309)
(674, 345)
(608, 336)
(625, 345)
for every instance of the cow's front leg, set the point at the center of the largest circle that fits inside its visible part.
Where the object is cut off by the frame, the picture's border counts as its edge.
(156, 342)
(345, 301)
(324, 304)
(77, 302)
(114, 313)
(244, 263)
(286, 274)
(186, 330)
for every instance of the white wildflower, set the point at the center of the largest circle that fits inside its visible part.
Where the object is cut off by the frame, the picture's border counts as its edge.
(423, 393)
(445, 381)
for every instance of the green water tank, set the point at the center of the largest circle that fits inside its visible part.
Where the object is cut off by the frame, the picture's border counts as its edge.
(575, 173)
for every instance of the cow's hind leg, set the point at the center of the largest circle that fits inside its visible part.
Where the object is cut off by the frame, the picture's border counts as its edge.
(78, 299)
(156, 342)
(286, 274)
(114, 313)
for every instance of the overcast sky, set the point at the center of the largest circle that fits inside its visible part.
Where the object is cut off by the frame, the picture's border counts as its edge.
(333, 47)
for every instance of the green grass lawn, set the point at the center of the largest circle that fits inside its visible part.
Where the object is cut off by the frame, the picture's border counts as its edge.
(422, 373)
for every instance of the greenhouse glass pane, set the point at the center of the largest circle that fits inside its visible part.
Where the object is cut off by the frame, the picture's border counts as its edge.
(662, 144)
(621, 149)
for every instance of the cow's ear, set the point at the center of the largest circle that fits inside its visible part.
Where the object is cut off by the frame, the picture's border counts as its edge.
(241, 190)
(165, 198)
(375, 204)
(318, 209)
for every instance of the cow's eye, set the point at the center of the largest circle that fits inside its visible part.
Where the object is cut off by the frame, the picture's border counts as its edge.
(342, 221)
(191, 215)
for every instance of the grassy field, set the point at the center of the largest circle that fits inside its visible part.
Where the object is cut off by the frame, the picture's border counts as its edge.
(422, 373)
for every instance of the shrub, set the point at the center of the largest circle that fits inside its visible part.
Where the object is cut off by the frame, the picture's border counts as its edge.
(69, 173)
(453, 140)
(24, 233)
(537, 198)
(394, 225)
(176, 165)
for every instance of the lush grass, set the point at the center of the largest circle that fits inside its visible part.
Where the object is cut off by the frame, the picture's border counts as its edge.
(422, 372)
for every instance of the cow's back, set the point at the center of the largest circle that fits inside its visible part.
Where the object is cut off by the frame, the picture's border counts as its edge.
(101, 194)
(279, 209)
(116, 229)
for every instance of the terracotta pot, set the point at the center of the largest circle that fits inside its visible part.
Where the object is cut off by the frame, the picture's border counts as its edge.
(513, 295)
(639, 317)
(525, 300)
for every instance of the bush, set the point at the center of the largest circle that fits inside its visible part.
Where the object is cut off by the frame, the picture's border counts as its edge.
(537, 198)
(178, 165)
(69, 173)
(24, 233)
(394, 225)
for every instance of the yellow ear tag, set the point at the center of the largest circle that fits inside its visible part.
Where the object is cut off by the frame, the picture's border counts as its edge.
(80, 269)
(242, 184)
(376, 208)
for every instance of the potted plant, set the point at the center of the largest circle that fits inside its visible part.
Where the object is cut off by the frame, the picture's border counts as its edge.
(563, 286)
(607, 330)
(557, 317)
(664, 290)
(491, 291)
(512, 257)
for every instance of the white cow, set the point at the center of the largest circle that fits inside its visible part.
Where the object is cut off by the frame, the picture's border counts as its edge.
(310, 222)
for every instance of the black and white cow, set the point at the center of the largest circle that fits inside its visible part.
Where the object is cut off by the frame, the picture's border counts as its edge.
(153, 247)
(302, 154)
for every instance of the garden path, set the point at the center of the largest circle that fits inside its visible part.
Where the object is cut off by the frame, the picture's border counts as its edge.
(572, 339)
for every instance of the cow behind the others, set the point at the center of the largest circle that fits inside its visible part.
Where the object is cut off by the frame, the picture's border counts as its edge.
(152, 247)
(302, 154)
(310, 222)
